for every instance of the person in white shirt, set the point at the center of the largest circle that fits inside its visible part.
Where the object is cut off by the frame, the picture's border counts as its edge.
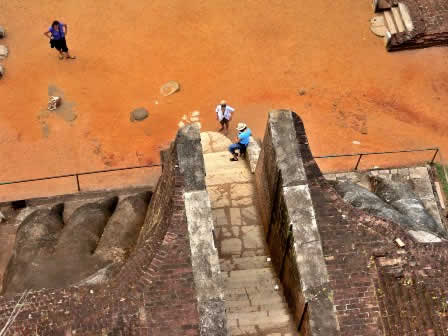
(224, 115)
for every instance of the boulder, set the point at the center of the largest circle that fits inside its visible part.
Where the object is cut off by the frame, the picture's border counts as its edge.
(139, 114)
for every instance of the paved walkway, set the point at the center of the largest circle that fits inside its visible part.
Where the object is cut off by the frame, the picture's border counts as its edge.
(254, 300)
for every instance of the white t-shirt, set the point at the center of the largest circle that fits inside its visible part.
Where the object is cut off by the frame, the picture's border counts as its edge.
(227, 113)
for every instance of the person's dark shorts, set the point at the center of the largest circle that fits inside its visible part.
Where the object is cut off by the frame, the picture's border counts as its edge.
(61, 45)
(224, 121)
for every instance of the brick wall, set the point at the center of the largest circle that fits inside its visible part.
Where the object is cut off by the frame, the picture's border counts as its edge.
(153, 294)
(378, 288)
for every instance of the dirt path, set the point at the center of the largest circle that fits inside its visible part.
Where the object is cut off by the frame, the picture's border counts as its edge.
(256, 54)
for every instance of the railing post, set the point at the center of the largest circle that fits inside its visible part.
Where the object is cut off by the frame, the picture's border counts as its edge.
(434, 157)
(359, 160)
(77, 182)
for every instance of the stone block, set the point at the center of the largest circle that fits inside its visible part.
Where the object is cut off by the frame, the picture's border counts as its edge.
(220, 218)
(235, 216)
(252, 237)
(242, 194)
(231, 246)
(249, 216)
(219, 196)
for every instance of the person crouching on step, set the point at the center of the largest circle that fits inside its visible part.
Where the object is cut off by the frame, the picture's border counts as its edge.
(242, 140)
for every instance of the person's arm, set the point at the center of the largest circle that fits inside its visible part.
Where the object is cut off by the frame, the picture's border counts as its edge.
(47, 34)
(65, 29)
(231, 110)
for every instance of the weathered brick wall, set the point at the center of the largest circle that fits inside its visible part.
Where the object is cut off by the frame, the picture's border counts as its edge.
(153, 294)
(379, 288)
(430, 19)
(290, 228)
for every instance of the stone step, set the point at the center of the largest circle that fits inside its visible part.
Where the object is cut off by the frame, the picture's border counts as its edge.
(220, 170)
(253, 296)
(244, 263)
(404, 13)
(263, 307)
(252, 331)
(390, 22)
(272, 319)
(252, 275)
(398, 20)
(254, 301)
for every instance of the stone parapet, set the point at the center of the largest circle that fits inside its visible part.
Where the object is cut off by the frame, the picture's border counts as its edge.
(290, 227)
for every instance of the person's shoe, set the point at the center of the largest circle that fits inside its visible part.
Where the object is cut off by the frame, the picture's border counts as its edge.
(221, 129)
(234, 159)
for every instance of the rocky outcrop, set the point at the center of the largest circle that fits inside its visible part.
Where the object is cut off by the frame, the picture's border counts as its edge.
(56, 248)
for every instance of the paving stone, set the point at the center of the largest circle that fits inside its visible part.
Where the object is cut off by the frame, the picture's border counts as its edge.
(252, 237)
(235, 216)
(220, 218)
(226, 232)
(219, 196)
(242, 194)
(239, 331)
(231, 246)
(249, 216)
(249, 254)
(205, 142)
(419, 172)
(219, 142)
(235, 231)
(220, 170)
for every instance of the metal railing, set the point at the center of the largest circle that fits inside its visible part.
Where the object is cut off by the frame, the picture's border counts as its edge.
(76, 175)
(361, 155)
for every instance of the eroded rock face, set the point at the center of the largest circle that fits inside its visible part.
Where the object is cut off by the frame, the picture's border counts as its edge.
(363, 199)
(54, 250)
(401, 197)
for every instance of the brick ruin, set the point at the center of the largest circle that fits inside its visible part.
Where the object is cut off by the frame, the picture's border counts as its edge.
(412, 23)
(341, 270)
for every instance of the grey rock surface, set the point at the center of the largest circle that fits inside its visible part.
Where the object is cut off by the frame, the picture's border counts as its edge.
(139, 114)
(401, 197)
(53, 250)
(363, 199)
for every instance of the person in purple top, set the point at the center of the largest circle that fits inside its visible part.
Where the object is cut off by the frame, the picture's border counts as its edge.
(56, 33)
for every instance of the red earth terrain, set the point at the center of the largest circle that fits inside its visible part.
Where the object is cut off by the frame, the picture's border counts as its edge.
(315, 57)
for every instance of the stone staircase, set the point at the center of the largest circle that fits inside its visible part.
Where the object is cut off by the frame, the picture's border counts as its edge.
(255, 304)
(390, 21)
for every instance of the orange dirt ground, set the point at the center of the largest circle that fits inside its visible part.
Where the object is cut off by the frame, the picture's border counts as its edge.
(256, 54)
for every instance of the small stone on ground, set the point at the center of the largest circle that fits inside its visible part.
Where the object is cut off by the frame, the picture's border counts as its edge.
(3, 51)
(169, 88)
(139, 114)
